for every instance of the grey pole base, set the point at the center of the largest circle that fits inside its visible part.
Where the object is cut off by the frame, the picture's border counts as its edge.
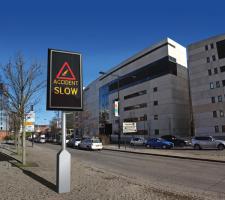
(63, 173)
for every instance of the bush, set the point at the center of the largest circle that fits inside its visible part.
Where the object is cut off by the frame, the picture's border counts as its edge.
(9, 137)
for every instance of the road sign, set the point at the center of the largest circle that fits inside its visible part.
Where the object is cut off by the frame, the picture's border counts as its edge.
(129, 127)
(64, 85)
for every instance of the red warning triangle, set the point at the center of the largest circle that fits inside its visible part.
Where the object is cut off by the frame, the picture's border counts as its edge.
(66, 73)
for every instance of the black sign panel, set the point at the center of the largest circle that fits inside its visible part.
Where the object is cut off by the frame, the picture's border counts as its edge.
(64, 81)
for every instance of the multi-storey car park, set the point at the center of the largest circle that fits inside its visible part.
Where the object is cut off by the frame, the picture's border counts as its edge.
(152, 89)
(206, 62)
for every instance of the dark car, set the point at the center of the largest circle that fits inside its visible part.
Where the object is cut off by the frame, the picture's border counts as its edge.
(159, 143)
(177, 142)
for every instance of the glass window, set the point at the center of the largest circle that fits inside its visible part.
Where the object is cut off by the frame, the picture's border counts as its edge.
(143, 118)
(155, 89)
(213, 57)
(208, 59)
(220, 98)
(156, 131)
(216, 129)
(155, 117)
(206, 47)
(213, 99)
(217, 84)
(136, 94)
(223, 82)
(155, 103)
(214, 113)
(221, 49)
(221, 113)
(215, 71)
(223, 128)
(143, 105)
(211, 85)
(134, 119)
(212, 46)
(148, 72)
(209, 72)
(222, 69)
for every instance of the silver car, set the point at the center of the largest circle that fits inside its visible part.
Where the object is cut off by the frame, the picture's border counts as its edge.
(207, 142)
(90, 144)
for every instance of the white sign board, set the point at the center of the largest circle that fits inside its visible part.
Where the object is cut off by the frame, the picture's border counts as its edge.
(116, 108)
(30, 120)
(129, 127)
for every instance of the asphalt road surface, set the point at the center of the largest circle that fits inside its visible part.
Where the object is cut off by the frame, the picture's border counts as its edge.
(177, 174)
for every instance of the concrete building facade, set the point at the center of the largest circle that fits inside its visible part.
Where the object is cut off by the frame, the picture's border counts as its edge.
(152, 89)
(206, 60)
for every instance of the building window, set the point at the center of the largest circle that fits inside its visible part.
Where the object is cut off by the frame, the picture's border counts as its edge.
(155, 103)
(221, 113)
(221, 49)
(134, 119)
(156, 131)
(208, 59)
(217, 84)
(206, 47)
(216, 129)
(223, 128)
(214, 58)
(155, 117)
(214, 113)
(223, 82)
(212, 46)
(211, 85)
(136, 94)
(155, 89)
(209, 72)
(213, 99)
(143, 105)
(215, 71)
(143, 118)
(222, 69)
(220, 98)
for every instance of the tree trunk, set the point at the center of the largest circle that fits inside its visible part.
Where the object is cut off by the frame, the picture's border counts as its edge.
(17, 143)
(23, 145)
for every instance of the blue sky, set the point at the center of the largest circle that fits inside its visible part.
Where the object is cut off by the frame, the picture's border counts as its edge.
(105, 32)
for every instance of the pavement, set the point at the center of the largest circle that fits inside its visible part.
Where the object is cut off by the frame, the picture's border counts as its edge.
(87, 181)
(212, 155)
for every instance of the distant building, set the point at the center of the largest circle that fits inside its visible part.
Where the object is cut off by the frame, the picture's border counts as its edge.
(206, 61)
(153, 91)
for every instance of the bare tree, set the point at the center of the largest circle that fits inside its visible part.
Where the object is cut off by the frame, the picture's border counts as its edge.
(22, 85)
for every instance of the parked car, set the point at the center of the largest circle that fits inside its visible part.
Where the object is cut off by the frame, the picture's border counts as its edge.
(40, 139)
(177, 142)
(207, 142)
(137, 141)
(74, 142)
(159, 143)
(90, 144)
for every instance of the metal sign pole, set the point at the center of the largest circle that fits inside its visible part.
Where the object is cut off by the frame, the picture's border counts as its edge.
(63, 176)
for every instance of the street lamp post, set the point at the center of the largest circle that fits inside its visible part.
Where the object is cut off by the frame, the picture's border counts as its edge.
(118, 94)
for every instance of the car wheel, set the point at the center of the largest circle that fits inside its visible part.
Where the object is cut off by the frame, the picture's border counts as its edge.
(197, 147)
(163, 146)
(148, 146)
(220, 147)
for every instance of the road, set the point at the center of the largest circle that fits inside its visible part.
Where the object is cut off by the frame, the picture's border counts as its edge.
(177, 174)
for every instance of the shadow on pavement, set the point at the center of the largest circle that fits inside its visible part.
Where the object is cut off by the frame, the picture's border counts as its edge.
(14, 162)
(4, 157)
(40, 179)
